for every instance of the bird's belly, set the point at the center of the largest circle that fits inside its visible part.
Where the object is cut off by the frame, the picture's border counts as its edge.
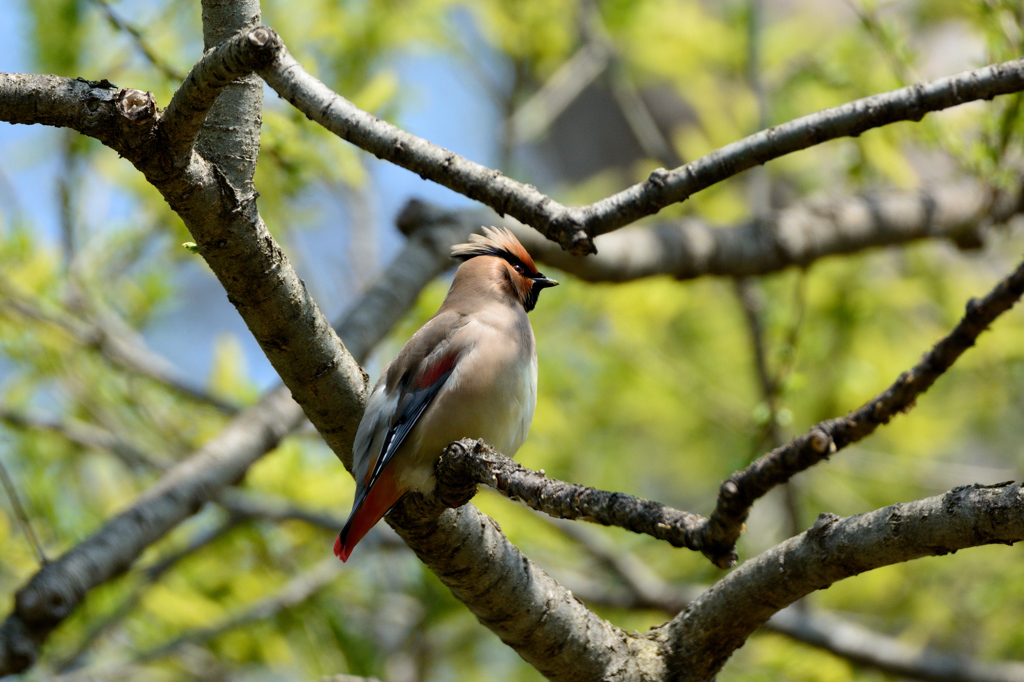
(498, 411)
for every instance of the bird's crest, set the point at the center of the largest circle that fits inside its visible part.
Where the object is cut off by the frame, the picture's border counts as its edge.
(498, 242)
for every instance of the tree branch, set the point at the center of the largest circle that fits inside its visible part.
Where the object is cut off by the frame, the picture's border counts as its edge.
(116, 342)
(53, 593)
(469, 462)
(541, 620)
(824, 630)
(574, 228)
(799, 235)
(191, 103)
(136, 36)
(534, 116)
(740, 490)
(699, 640)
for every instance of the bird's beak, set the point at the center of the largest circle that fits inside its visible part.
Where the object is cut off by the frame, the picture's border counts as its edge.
(542, 282)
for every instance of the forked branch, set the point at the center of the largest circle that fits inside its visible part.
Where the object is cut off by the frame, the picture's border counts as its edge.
(743, 488)
(262, 50)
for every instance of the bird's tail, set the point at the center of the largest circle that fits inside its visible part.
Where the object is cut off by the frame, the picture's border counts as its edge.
(367, 512)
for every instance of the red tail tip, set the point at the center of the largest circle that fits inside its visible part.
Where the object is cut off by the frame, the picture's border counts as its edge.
(341, 551)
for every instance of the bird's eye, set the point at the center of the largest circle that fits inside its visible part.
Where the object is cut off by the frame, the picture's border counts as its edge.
(518, 268)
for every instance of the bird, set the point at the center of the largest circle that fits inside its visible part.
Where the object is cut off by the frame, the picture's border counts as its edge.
(469, 372)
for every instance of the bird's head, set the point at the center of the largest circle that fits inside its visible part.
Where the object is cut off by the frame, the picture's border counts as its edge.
(498, 257)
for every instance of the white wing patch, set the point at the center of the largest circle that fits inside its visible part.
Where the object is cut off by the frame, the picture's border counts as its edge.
(370, 436)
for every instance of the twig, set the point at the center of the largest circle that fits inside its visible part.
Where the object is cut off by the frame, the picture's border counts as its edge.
(636, 112)
(740, 490)
(115, 341)
(895, 52)
(246, 505)
(751, 300)
(646, 589)
(295, 591)
(149, 575)
(118, 22)
(468, 462)
(534, 116)
(87, 435)
(22, 515)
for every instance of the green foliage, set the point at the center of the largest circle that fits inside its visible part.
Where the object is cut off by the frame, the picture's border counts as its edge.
(648, 388)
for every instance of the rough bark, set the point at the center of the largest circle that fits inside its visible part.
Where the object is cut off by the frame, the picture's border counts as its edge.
(465, 464)
(60, 586)
(700, 639)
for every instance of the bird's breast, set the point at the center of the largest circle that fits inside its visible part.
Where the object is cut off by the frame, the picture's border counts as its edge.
(491, 395)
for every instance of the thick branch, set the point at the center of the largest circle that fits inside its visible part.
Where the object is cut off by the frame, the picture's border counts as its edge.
(541, 620)
(741, 489)
(230, 136)
(824, 630)
(699, 640)
(191, 103)
(53, 593)
(97, 109)
(468, 462)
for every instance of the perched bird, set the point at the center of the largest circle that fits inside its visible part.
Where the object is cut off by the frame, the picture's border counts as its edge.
(469, 372)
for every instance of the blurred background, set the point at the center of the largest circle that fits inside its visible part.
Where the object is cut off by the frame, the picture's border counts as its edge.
(657, 388)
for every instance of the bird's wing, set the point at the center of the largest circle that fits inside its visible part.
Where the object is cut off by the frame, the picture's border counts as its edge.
(409, 385)
(412, 381)
(422, 388)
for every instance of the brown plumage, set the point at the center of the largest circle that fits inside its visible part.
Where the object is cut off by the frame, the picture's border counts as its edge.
(469, 372)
